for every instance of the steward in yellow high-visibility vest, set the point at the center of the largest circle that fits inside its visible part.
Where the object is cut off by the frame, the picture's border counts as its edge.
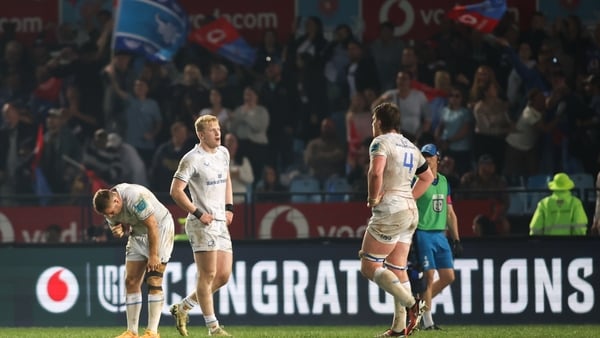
(560, 214)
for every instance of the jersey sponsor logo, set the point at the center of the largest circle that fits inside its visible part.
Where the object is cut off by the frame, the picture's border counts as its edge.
(57, 289)
(375, 147)
(140, 205)
(437, 202)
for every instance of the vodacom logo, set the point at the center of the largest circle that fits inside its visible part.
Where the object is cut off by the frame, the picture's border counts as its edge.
(409, 15)
(7, 233)
(57, 289)
(292, 216)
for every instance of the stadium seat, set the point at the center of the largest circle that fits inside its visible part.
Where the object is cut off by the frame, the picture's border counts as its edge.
(584, 186)
(518, 201)
(338, 189)
(305, 189)
(536, 182)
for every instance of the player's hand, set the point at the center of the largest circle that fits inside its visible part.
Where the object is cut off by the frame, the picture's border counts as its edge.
(117, 230)
(457, 249)
(229, 217)
(153, 263)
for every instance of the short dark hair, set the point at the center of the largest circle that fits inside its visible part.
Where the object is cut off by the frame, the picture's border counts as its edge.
(102, 199)
(389, 116)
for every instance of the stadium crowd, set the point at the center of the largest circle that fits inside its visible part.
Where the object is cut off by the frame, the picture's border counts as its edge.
(501, 107)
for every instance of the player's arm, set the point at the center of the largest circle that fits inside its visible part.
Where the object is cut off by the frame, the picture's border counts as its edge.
(425, 179)
(375, 180)
(229, 200)
(153, 260)
(180, 198)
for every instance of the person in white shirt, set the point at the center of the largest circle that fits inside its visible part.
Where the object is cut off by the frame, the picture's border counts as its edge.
(205, 171)
(384, 253)
(149, 248)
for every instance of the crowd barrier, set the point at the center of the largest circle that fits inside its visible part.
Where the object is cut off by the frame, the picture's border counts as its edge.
(28, 222)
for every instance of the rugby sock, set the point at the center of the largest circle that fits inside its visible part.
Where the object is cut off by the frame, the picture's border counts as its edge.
(388, 281)
(399, 322)
(427, 319)
(188, 303)
(133, 306)
(155, 305)
(211, 321)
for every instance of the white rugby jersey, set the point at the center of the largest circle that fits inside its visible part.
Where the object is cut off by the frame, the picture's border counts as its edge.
(138, 204)
(206, 176)
(402, 160)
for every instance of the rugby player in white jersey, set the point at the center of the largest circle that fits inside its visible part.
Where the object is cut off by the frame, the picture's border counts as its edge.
(205, 171)
(384, 253)
(148, 250)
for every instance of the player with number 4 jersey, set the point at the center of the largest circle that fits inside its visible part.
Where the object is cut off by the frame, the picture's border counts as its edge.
(384, 252)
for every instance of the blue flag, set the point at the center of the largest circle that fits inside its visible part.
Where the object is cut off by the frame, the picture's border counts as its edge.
(153, 28)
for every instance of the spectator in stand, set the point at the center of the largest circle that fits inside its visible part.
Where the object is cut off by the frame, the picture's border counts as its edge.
(306, 60)
(134, 169)
(492, 124)
(120, 70)
(454, 131)
(337, 60)
(387, 50)
(411, 63)
(537, 32)
(216, 109)
(522, 144)
(269, 187)
(103, 161)
(168, 155)
(484, 183)
(268, 48)
(15, 61)
(361, 73)
(144, 120)
(18, 141)
(325, 155)
(438, 99)
(515, 91)
(358, 125)
(81, 70)
(240, 170)
(415, 117)
(278, 96)
(219, 79)
(483, 226)
(249, 123)
(189, 88)
(561, 213)
(59, 141)
(484, 76)
(83, 123)
(447, 167)
(358, 170)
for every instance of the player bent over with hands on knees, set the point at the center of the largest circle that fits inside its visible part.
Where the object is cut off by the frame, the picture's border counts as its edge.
(205, 170)
(384, 252)
(148, 249)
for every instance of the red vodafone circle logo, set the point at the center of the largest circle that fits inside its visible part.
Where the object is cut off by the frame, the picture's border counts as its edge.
(57, 289)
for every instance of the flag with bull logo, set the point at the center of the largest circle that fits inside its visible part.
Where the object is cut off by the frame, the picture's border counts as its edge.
(221, 37)
(155, 29)
(483, 16)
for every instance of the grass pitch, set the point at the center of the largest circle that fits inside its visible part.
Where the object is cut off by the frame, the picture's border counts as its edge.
(318, 331)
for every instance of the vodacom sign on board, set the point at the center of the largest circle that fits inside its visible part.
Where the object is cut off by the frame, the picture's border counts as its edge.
(311, 220)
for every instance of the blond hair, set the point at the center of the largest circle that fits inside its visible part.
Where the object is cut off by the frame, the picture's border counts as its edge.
(203, 121)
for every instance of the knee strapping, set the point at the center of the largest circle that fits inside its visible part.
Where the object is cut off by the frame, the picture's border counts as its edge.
(371, 257)
(154, 280)
(394, 267)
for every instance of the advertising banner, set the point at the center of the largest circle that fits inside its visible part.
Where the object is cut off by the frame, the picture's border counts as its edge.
(420, 20)
(253, 221)
(306, 283)
(28, 18)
